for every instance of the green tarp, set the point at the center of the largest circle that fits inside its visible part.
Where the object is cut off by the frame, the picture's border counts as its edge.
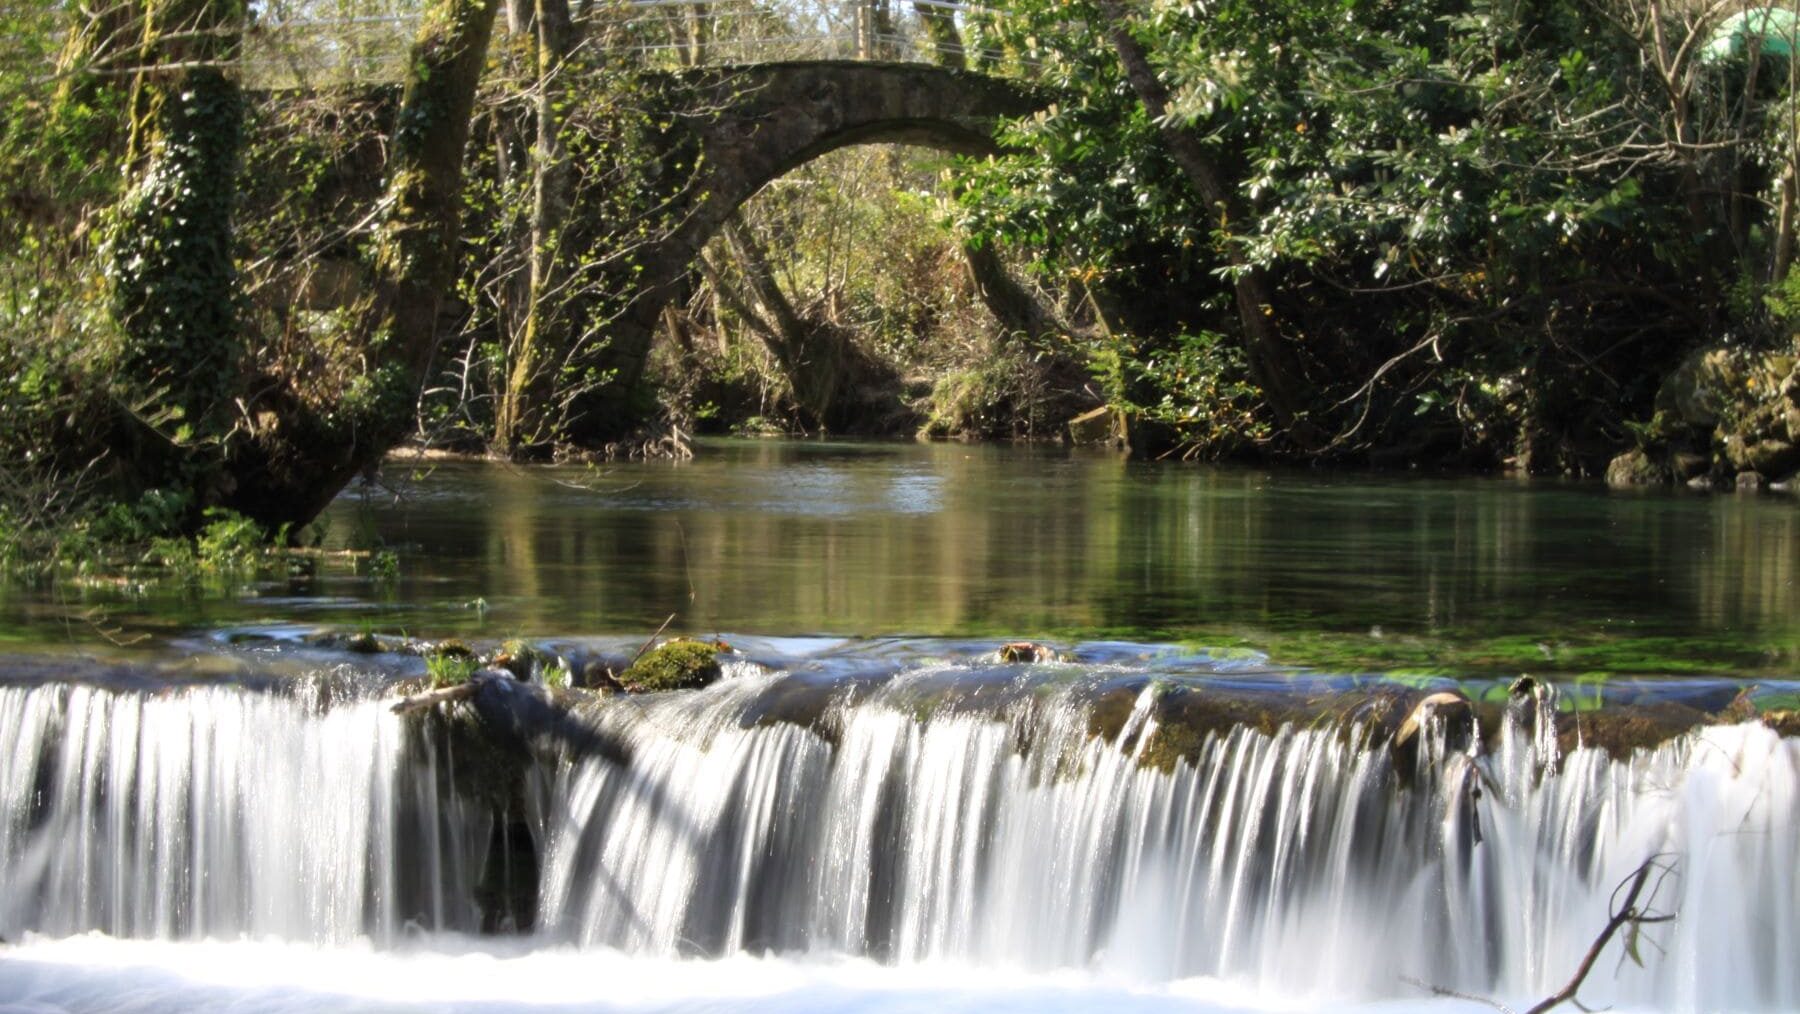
(1775, 27)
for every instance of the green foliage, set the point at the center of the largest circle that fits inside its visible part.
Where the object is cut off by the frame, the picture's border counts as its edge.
(1783, 299)
(1000, 395)
(1197, 389)
(447, 669)
(626, 184)
(1464, 201)
(557, 676)
(229, 546)
(384, 566)
(230, 542)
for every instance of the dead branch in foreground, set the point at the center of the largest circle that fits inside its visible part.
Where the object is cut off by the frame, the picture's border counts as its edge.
(1625, 915)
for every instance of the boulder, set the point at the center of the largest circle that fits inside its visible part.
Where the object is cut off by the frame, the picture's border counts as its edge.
(1774, 457)
(1701, 387)
(1103, 427)
(1634, 468)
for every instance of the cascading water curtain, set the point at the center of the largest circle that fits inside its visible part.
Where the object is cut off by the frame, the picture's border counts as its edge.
(207, 812)
(1300, 861)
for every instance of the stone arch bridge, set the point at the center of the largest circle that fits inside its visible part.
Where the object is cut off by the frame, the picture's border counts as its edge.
(749, 125)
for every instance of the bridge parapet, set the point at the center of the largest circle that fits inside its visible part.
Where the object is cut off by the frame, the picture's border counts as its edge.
(295, 43)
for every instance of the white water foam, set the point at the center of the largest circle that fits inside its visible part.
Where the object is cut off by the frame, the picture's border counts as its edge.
(93, 972)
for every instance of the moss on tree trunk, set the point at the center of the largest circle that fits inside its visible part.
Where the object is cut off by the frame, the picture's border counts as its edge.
(522, 420)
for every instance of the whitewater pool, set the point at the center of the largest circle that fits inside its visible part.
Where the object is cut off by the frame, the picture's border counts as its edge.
(462, 976)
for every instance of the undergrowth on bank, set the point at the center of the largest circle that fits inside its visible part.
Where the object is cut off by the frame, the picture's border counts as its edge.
(142, 546)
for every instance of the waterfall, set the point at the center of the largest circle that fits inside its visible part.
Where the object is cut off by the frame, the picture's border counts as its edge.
(1008, 836)
(216, 811)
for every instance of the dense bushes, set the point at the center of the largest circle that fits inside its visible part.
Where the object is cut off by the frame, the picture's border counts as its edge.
(1490, 226)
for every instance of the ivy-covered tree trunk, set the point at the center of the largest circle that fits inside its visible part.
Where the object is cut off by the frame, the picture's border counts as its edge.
(173, 282)
(522, 421)
(1273, 364)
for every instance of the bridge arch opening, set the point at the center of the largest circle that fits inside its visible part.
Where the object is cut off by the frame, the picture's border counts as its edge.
(836, 300)
(754, 125)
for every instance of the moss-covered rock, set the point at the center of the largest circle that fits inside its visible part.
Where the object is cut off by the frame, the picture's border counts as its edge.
(1723, 412)
(1634, 468)
(1697, 392)
(674, 665)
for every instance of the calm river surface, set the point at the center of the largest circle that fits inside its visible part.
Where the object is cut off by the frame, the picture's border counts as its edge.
(780, 538)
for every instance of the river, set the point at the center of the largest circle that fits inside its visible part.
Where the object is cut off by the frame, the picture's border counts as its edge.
(207, 805)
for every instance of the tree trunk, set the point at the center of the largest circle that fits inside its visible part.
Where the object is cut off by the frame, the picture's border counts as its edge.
(940, 27)
(874, 30)
(1273, 364)
(297, 455)
(170, 265)
(811, 365)
(1012, 304)
(416, 256)
(519, 422)
(1784, 229)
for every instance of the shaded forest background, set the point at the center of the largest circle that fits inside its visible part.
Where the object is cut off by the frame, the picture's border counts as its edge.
(248, 249)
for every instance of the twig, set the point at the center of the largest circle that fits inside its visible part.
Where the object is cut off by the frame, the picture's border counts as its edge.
(1624, 913)
(653, 637)
(1445, 991)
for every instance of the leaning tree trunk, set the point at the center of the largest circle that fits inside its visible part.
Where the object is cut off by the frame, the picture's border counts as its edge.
(297, 455)
(1273, 364)
(809, 357)
(416, 255)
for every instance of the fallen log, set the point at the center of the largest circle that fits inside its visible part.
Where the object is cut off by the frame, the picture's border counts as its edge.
(432, 698)
(521, 716)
